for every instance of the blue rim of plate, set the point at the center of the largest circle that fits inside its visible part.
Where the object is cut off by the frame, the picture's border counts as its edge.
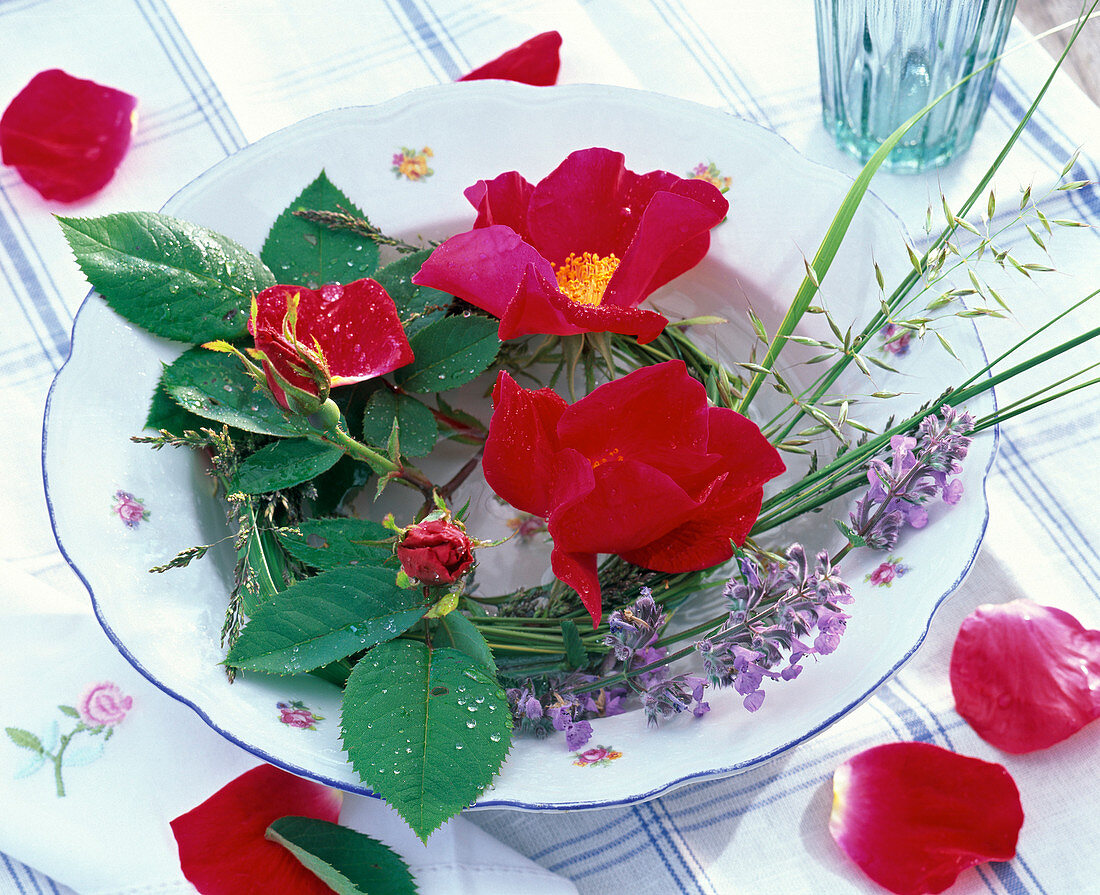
(535, 93)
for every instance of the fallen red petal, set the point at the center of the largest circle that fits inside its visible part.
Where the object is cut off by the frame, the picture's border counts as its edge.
(221, 842)
(66, 136)
(1025, 676)
(913, 816)
(535, 61)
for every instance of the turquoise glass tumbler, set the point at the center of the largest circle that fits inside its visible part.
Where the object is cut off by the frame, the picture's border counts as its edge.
(884, 60)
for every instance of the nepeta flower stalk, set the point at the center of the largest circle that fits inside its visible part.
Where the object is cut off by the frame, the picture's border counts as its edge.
(918, 472)
(633, 637)
(772, 609)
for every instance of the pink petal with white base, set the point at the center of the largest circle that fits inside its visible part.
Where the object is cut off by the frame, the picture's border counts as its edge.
(1025, 676)
(913, 816)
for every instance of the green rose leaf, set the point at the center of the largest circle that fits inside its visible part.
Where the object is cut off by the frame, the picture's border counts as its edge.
(427, 729)
(457, 631)
(416, 428)
(283, 464)
(450, 353)
(171, 278)
(309, 254)
(25, 738)
(575, 654)
(412, 300)
(165, 413)
(215, 386)
(345, 860)
(331, 543)
(328, 617)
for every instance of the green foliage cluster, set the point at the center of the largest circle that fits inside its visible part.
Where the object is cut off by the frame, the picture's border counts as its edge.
(425, 720)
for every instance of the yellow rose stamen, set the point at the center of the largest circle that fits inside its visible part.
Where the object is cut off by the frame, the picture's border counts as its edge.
(584, 278)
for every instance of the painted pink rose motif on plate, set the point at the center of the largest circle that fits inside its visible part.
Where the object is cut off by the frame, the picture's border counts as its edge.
(131, 510)
(596, 756)
(885, 574)
(297, 714)
(895, 340)
(104, 705)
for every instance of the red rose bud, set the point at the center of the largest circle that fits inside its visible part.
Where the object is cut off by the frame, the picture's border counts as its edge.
(436, 551)
(311, 339)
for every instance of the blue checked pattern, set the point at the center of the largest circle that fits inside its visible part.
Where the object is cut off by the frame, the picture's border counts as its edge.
(210, 79)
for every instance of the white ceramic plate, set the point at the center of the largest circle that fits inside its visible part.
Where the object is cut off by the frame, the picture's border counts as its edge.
(168, 625)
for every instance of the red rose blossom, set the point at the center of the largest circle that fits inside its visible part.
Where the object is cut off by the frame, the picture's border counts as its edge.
(535, 61)
(1025, 676)
(913, 816)
(355, 327)
(221, 842)
(578, 251)
(66, 136)
(436, 551)
(641, 467)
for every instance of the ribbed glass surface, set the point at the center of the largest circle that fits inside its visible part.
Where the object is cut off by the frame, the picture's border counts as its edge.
(883, 60)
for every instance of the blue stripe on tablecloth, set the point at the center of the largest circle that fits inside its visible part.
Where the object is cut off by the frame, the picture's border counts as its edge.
(1051, 135)
(410, 38)
(50, 330)
(15, 6)
(15, 881)
(795, 781)
(614, 854)
(915, 727)
(585, 838)
(940, 734)
(711, 60)
(696, 869)
(24, 879)
(665, 837)
(1039, 887)
(1042, 131)
(192, 74)
(429, 38)
(1004, 872)
(1047, 508)
(446, 32)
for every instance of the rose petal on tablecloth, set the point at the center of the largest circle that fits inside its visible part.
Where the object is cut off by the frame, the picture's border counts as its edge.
(66, 136)
(535, 61)
(221, 842)
(1025, 676)
(913, 816)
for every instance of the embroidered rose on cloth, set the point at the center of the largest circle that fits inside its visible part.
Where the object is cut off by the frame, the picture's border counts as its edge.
(578, 251)
(66, 136)
(104, 704)
(641, 467)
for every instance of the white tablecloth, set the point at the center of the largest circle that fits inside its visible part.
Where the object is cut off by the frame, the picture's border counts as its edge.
(212, 77)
